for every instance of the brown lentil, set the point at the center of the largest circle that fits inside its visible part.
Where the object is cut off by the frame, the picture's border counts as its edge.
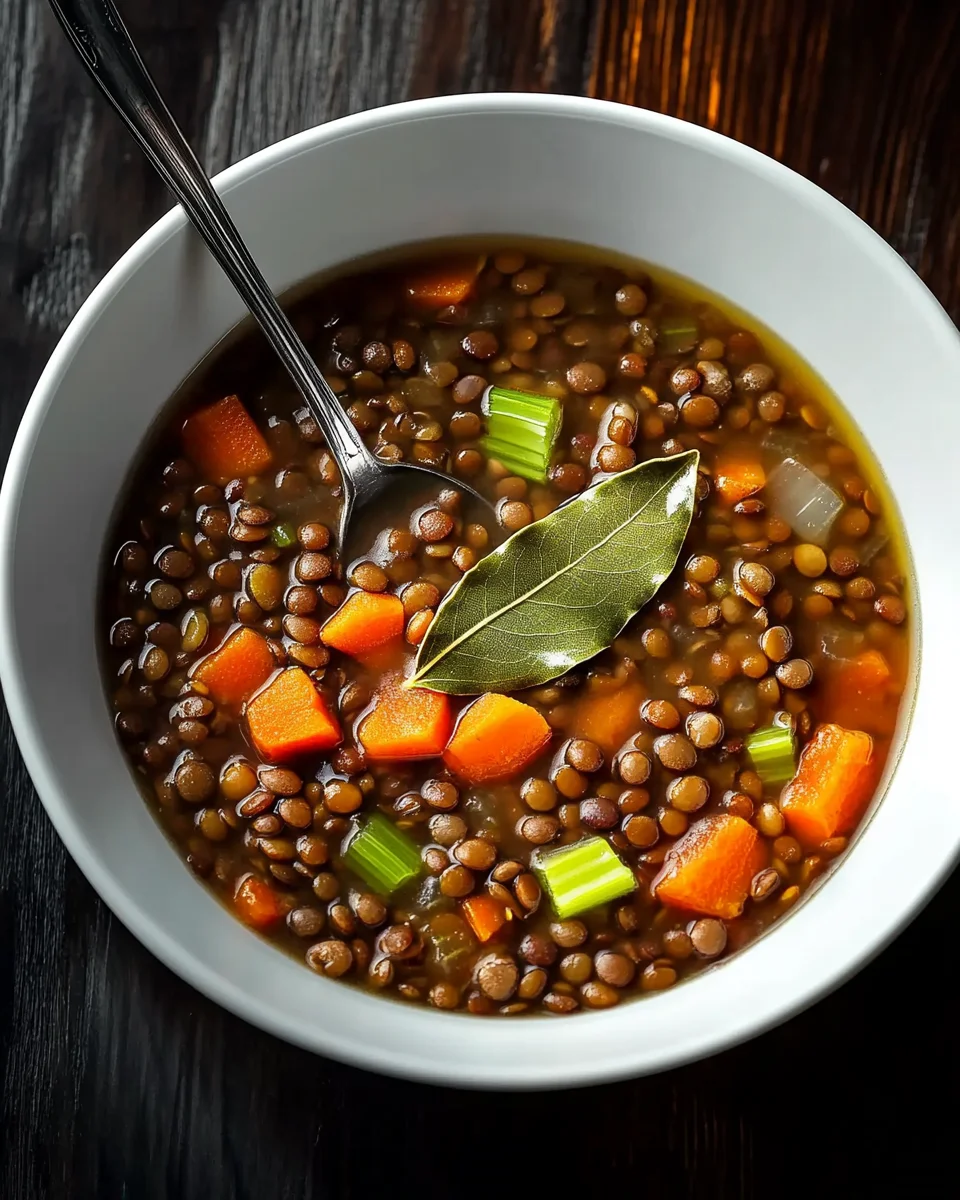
(634, 767)
(570, 783)
(677, 944)
(539, 829)
(656, 978)
(675, 752)
(456, 881)
(599, 813)
(661, 714)
(641, 831)
(476, 853)
(584, 755)
(688, 793)
(890, 608)
(568, 934)
(704, 729)
(333, 958)
(614, 969)
(539, 794)
(497, 977)
(797, 673)
(195, 781)
(708, 936)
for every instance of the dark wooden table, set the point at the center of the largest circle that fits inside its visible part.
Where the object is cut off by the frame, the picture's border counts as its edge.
(116, 1079)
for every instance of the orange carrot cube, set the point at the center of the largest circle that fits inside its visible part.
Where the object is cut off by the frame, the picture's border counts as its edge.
(232, 673)
(290, 717)
(861, 693)
(256, 902)
(834, 779)
(363, 623)
(486, 914)
(607, 717)
(405, 723)
(495, 737)
(737, 477)
(445, 283)
(709, 869)
(224, 441)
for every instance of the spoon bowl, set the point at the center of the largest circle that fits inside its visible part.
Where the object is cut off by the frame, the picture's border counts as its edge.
(393, 494)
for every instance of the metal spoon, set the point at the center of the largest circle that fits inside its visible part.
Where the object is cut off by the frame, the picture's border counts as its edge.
(101, 40)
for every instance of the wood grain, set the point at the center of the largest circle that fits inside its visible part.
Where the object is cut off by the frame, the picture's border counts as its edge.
(117, 1079)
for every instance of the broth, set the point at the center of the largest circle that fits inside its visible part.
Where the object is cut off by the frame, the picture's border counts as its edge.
(761, 625)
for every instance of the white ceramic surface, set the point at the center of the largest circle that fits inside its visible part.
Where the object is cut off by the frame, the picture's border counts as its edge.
(638, 183)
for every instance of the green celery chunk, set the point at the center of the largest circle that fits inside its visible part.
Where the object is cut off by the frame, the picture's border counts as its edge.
(582, 876)
(283, 535)
(773, 751)
(677, 335)
(383, 856)
(522, 428)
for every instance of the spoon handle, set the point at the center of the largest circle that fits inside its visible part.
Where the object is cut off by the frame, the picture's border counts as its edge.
(99, 36)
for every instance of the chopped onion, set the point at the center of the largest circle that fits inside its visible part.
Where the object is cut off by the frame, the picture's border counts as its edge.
(440, 345)
(839, 638)
(430, 897)
(492, 311)
(870, 547)
(803, 500)
(784, 443)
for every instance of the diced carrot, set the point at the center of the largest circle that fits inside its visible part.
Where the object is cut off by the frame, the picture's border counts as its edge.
(290, 717)
(709, 869)
(243, 663)
(495, 737)
(859, 693)
(256, 902)
(405, 723)
(363, 623)
(834, 780)
(445, 283)
(738, 477)
(486, 915)
(224, 441)
(608, 717)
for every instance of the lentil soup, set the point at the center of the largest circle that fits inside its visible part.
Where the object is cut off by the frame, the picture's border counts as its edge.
(604, 833)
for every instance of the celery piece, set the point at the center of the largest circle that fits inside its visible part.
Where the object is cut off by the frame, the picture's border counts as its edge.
(677, 335)
(521, 430)
(773, 751)
(582, 876)
(381, 854)
(283, 535)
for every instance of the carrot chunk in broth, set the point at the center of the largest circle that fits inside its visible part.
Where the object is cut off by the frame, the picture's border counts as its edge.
(363, 623)
(290, 717)
(241, 665)
(405, 723)
(223, 439)
(495, 737)
(709, 869)
(834, 780)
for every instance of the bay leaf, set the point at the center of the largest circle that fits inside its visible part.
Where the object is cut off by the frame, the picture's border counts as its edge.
(560, 590)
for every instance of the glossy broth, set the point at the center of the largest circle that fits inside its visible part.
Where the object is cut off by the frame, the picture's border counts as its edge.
(618, 344)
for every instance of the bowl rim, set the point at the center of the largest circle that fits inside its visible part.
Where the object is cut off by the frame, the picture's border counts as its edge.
(563, 1071)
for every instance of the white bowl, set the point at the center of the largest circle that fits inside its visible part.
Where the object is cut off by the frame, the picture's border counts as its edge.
(615, 177)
